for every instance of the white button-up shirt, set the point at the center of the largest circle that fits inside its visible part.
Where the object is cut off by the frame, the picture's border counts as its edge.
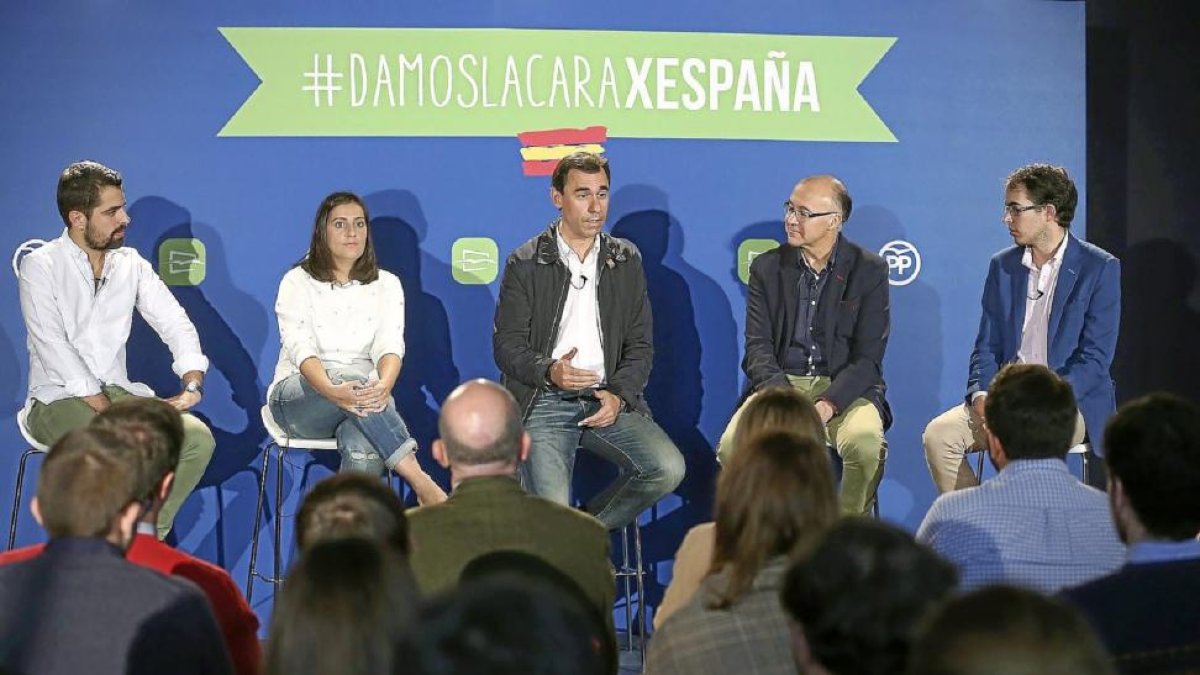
(1038, 299)
(580, 324)
(78, 329)
(349, 325)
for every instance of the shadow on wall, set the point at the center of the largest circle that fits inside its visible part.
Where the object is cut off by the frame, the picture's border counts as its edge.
(233, 393)
(1161, 275)
(913, 383)
(431, 367)
(688, 378)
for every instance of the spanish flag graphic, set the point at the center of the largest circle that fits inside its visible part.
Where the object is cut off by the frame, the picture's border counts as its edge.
(541, 150)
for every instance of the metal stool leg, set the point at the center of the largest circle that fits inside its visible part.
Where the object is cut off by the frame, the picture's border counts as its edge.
(625, 574)
(16, 507)
(641, 591)
(278, 522)
(258, 514)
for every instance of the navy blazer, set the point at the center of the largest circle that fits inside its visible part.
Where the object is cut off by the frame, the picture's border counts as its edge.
(855, 334)
(1085, 317)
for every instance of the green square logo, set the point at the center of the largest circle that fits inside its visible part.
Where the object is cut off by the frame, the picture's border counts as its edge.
(475, 260)
(181, 262)
(748, 251)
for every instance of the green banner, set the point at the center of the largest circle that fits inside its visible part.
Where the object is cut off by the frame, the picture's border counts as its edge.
(499, 82)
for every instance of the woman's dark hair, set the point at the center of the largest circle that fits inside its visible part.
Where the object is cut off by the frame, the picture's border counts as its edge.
(346, 607)
(319, 261)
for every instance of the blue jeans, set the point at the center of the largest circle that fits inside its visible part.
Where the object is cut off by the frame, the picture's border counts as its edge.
(366, 443)
(649, 464)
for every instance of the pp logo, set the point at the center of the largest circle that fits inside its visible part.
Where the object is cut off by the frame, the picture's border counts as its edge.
(474, 260)
(181, 261)
(904, 262)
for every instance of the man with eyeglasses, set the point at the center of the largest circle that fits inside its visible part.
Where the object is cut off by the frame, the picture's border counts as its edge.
(574, 341)
(1050, 299)
(817, 319)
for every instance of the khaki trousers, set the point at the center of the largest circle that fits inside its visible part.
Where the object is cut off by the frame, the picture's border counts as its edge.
(48, 423)
(857, 435)
(953, 434)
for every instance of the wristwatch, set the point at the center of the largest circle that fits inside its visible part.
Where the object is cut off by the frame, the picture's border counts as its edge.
(194, 387)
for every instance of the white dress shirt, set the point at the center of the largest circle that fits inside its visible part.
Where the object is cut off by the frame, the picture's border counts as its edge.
(78, 328)
(1042, 281)
(344, 325)
(580, 324)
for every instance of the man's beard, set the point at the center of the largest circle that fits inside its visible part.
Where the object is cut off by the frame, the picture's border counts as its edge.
(114, 240)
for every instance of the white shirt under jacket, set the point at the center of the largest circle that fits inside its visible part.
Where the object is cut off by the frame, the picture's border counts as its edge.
(350, 325)
(579, 327)
(77, 332)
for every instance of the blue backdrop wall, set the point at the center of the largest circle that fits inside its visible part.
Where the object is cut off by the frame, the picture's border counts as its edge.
(968, 90)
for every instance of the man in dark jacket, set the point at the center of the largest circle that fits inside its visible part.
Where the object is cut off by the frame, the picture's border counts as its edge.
(817, 319)
(573, 339)
(80, 607)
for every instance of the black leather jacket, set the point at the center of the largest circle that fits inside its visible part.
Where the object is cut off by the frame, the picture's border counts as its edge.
(532, 295)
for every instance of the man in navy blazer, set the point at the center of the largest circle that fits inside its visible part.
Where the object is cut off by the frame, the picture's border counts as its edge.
(817, 320)
(1049, 299)
(1145, 613)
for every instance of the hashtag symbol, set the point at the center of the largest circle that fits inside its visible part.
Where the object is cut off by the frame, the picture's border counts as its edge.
(322, 81)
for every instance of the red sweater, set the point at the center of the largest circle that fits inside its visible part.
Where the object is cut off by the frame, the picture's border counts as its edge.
(238, 623)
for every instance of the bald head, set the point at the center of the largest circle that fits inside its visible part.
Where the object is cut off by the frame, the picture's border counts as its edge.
(831, 187)
(480, 424)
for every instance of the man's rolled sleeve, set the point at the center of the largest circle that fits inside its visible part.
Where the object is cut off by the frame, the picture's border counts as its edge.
(163, 312)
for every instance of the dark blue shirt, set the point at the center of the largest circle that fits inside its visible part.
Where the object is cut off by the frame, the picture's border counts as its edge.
(804, 355)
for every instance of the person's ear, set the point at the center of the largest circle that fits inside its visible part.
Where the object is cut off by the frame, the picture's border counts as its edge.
(164, 487)
(36, 511)
(438, 448)
(127, 521)
(556, 197)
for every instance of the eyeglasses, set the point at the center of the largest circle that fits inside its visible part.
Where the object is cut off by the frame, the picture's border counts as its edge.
(801, 215)
(1015, 210)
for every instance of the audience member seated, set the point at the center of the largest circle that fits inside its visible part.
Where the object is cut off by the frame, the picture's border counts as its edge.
(353, 504)
(80, 607)
(1013, 631)
(504, 626)
(341, 333)
(483, 444)
(346, 607)
(775, 499)
(154, 430)
(1034, 524)
(857, 599)
(517, 564)
(1146, 613)
(775, 409)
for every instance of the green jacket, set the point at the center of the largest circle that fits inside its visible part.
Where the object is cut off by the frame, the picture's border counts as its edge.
(490, 514)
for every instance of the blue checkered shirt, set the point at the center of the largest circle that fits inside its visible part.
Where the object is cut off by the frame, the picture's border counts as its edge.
(1033, 525)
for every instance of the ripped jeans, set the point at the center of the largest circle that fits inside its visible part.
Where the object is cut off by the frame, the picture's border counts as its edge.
(366, 444)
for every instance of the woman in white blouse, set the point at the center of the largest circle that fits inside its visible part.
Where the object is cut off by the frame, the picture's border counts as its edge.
(341, 325)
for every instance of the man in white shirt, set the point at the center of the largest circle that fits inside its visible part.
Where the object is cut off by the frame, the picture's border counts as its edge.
(1050, 299)
(574, 341)
(78, 293)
